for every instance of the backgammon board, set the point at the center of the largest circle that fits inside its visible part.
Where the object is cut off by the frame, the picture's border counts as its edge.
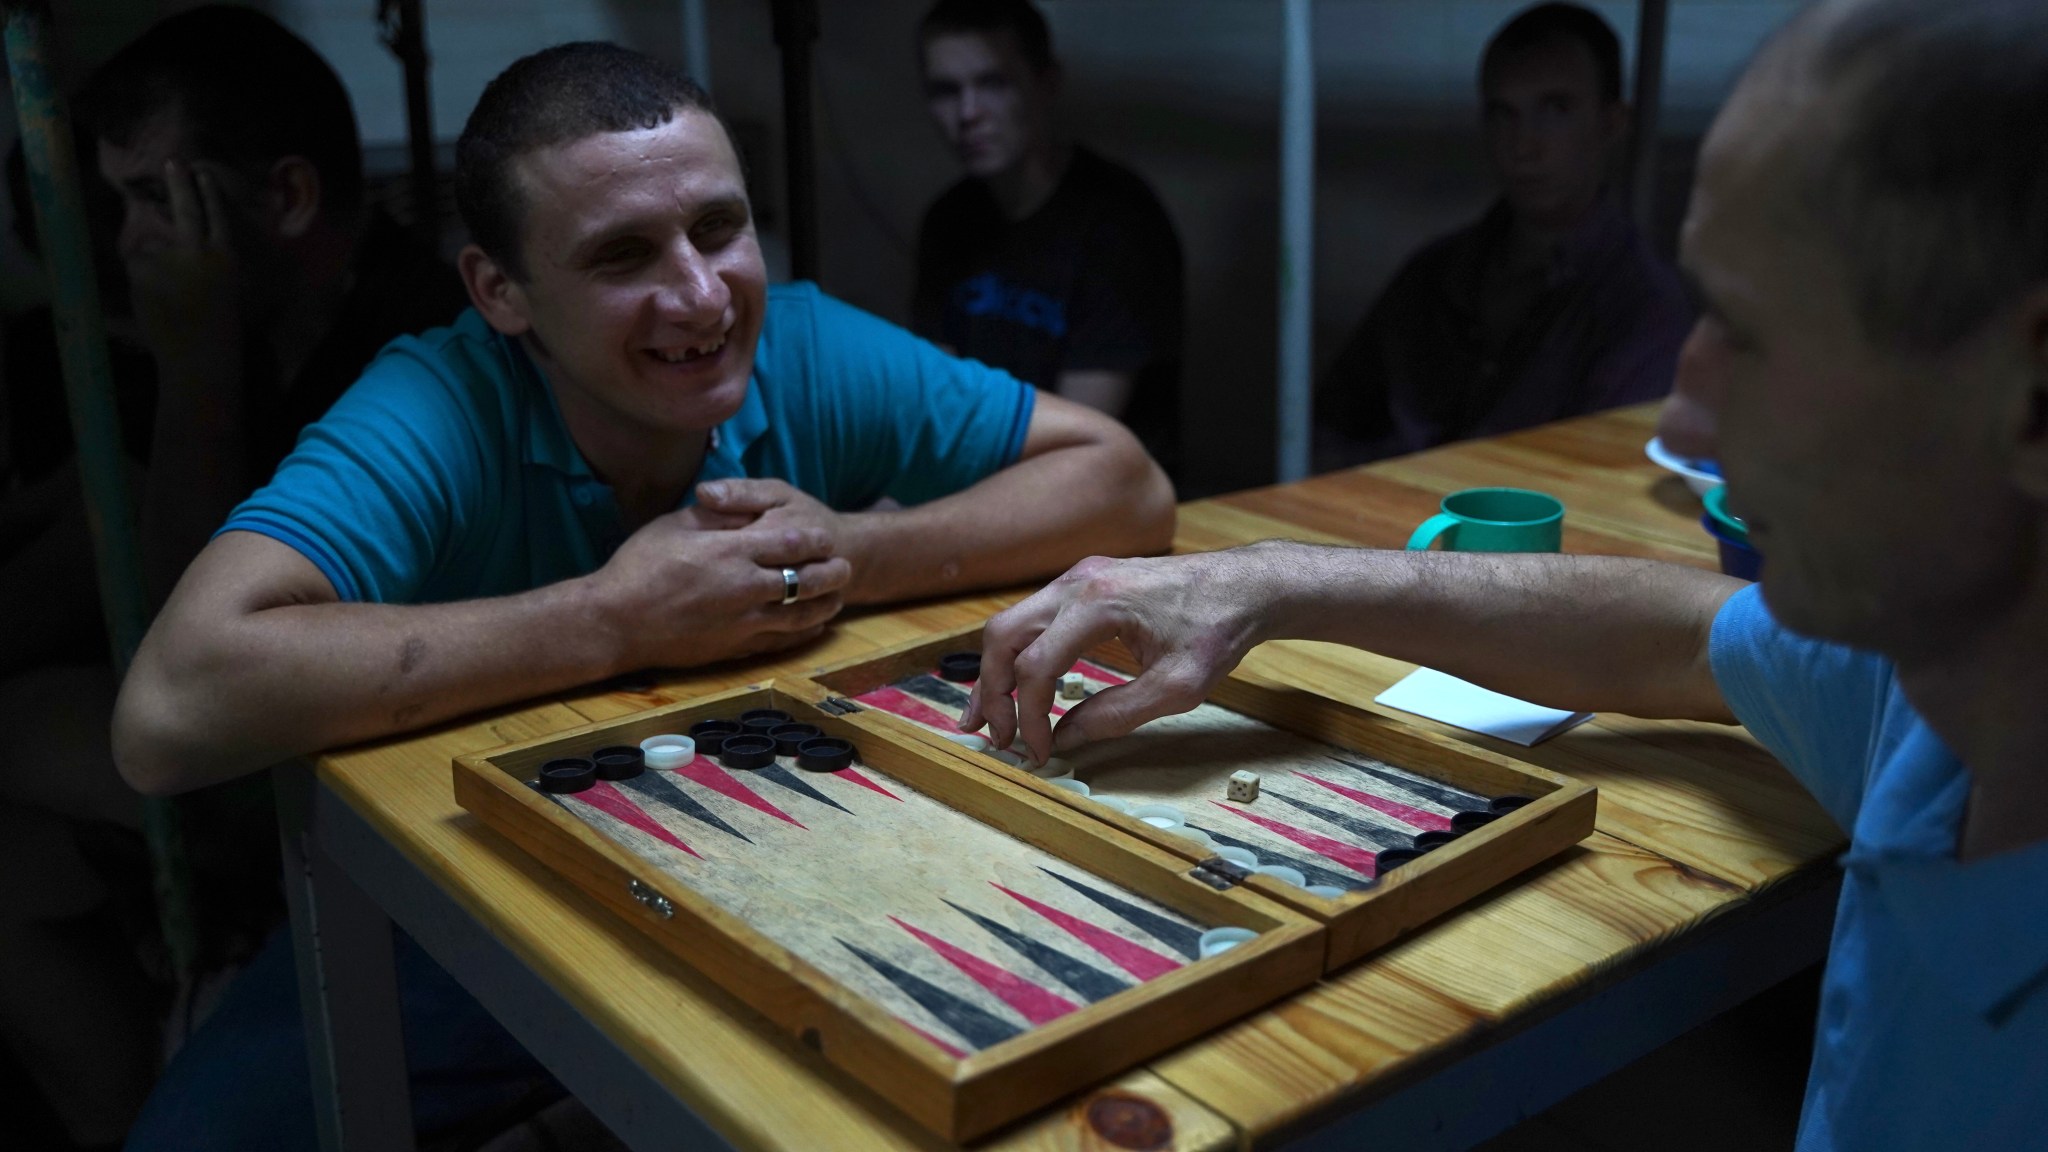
(969, 948)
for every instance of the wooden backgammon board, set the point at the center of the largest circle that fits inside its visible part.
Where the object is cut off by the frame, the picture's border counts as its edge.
(963, 943)
(1366, 825)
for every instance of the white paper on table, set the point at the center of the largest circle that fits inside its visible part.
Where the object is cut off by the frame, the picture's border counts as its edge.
(1428, 692)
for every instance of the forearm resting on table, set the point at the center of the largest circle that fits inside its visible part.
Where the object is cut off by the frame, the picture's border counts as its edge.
(1031, 520)
(220, 689)
(1582, 633)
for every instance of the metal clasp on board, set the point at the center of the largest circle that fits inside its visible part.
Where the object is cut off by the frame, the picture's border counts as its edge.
(655, 901)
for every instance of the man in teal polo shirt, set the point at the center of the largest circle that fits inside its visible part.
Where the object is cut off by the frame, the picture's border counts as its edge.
(1869, 233)
(630, 453)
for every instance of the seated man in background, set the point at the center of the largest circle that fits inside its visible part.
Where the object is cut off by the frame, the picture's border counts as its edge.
(631, 453)
(262, 283)
(1552, 305)
(1047, 261)
(1869, 232)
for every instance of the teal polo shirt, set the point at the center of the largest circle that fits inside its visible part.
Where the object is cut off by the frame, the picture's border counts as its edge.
(446, 473)
(1933, 1030)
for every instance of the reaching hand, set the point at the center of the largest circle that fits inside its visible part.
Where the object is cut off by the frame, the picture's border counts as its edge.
(1187, 619)
(186, 287)
(683, 595)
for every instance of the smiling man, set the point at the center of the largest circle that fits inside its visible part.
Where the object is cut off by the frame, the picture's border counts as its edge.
(1869, 231)
(632, 452)
(528, 473)
(1551, 305)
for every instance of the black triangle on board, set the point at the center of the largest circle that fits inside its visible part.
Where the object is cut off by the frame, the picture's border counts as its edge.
(783, 776)
(1092, 983)
(1377, 835)
(661, 790)
(1456, 799)
(934, 690)
(1313, 873)
(980, 1029)
(1172, 933)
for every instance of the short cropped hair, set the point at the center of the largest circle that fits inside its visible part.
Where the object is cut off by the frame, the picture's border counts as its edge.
(552, 97)
(1020, 18)
(250, 93)
(1560, 21)
(1931, 164)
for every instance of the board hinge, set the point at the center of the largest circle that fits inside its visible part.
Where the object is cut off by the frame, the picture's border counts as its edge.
(1219, 873)
(838, 706)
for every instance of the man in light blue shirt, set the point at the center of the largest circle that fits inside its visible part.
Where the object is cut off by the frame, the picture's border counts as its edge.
(630, 453)
(1869, 236)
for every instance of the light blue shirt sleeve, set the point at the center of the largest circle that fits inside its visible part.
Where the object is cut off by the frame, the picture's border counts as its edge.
(895, 416)
(376, 492)
(1821, 708)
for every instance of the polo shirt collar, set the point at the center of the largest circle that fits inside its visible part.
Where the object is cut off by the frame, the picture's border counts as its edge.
(1982, 926)
(549, 444)
(725, 456)
(547, 435)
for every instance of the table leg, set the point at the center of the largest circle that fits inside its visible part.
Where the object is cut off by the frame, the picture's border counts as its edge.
(348, 988)
(638, 1108)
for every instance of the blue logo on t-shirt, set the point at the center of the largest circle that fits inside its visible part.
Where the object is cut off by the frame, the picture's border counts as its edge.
(990, 295)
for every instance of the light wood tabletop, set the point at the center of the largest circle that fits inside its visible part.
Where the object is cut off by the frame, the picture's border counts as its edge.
(1695, 822)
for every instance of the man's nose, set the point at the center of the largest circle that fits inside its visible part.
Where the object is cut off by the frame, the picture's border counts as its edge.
(692, 290)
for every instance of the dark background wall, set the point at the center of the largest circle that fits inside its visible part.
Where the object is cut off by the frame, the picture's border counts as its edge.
(1186, 91)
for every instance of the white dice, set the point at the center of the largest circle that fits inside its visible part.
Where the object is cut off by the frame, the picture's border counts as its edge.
(1243, 787)
(1073, 686)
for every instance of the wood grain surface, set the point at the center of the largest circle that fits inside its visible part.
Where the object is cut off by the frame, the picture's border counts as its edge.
(1693, 821)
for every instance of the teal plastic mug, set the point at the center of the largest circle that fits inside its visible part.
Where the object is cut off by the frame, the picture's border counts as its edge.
(1495, 520)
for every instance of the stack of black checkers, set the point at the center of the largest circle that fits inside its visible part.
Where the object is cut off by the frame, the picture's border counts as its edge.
(1461, 823)
(762, 734)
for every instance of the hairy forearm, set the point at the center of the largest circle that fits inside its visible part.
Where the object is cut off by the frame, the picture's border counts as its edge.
(1030, 520)
(203, 705)
(1591, 633)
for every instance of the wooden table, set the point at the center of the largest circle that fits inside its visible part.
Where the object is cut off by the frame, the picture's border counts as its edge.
(1708, 880)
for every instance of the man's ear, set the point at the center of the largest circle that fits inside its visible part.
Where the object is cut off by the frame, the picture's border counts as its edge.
(2029, 409)
(294, 195)
(500, 298)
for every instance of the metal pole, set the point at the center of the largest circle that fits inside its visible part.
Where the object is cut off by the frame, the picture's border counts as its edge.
(1653, 19)
(1297, 237)
(796, 28)
(697, 44)
(404, 30)
(46, 144)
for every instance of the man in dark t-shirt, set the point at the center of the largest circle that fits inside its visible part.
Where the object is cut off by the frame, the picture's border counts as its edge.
(1048, 261)
(1551, 305)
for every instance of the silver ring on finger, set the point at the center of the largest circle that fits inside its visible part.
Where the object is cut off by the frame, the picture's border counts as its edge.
(790, 588)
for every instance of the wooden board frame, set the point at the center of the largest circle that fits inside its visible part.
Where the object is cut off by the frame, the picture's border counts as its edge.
(959, 1099)
(1358, 922)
